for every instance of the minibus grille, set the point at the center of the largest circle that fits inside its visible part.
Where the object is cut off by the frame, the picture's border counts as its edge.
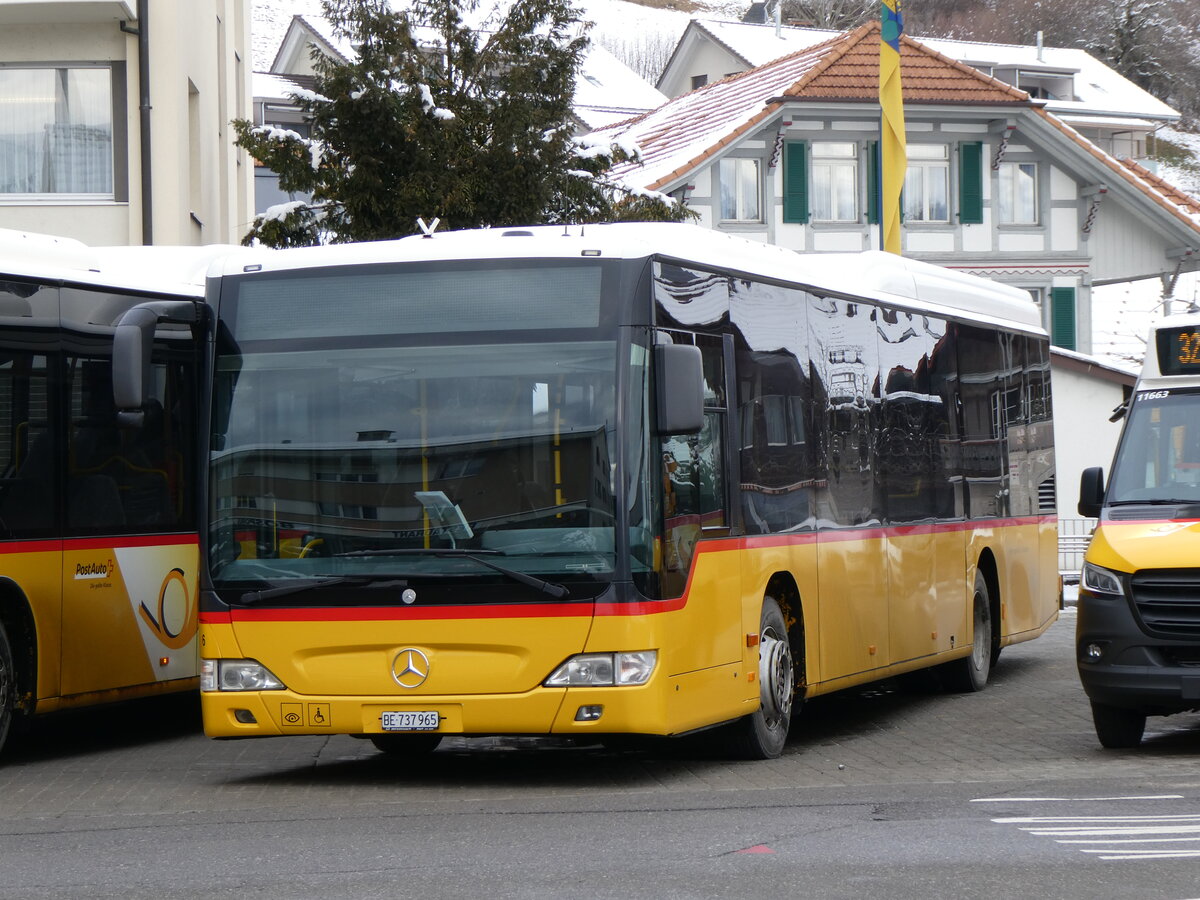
(1168, 601)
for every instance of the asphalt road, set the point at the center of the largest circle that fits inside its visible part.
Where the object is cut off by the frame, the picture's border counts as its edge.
(896, 791)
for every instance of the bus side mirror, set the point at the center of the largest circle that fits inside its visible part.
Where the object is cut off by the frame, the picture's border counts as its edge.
(1091, 492)
(679, 374)
(133, 343)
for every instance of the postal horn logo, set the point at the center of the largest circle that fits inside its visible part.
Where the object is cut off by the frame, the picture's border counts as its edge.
(410, 668)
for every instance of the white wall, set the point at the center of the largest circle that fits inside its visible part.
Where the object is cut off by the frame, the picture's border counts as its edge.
(1083, 436)
(200, 80)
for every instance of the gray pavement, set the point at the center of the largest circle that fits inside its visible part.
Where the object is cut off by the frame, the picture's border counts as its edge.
(1031, 724)
(895, 791)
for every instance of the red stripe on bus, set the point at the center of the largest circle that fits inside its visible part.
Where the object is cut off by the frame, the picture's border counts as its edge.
(112, 542)
(132, 540)
(400, 613)
(575, 610)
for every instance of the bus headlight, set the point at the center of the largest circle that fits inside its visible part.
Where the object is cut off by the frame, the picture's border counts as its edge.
(604, 669)
(1101, 581)
(237, 675)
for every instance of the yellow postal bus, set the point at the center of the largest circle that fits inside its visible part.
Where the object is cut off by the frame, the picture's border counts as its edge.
(98, 541)
(622, 479)
(1138, 631)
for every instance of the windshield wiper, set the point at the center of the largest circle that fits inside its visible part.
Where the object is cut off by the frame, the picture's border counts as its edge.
(555, 590)
(251, 597)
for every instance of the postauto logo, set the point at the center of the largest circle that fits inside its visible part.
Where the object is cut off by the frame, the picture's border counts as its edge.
(89, 571)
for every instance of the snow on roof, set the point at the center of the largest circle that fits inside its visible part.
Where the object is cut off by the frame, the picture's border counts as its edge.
(267, 86)
(1124, 369)
(269, 21)
(606, 83)
(1099, 88)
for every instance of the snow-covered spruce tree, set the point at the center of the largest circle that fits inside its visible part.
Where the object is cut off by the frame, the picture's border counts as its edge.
(441, 117)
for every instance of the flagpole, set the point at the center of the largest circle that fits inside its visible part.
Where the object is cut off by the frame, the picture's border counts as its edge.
(892, 151)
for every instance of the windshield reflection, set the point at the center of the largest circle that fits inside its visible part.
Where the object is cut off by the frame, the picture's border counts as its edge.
(321, 455)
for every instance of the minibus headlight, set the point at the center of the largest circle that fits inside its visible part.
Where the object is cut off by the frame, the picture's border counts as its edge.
(1101, 581)
(604, 669)
(237, 675)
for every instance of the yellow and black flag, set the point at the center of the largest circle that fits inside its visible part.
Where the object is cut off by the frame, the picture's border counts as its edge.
(892, 152)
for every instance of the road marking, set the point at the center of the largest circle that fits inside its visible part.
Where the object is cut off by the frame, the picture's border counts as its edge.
(1112, 837)
(1077, 799)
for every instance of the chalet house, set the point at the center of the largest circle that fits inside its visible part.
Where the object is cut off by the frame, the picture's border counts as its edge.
(996, 185)
(1093, 98)
(115, 122)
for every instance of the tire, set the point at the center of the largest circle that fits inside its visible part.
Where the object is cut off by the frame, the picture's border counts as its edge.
(406, 745)
(8, 688)
(971, 673)
(763, 733)
(1117, 728)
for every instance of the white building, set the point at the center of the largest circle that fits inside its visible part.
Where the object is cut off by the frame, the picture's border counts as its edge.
(115, 126)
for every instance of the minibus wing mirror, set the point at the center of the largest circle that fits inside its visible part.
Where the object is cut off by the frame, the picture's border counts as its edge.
(1091, 492)
(133, 342)
(679, 374)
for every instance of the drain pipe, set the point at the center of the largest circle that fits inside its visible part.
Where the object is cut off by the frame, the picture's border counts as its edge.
(142, 31)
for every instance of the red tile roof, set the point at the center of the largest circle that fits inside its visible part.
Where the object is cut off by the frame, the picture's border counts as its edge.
(683, 133)
(1181, 205)
(1180, 198)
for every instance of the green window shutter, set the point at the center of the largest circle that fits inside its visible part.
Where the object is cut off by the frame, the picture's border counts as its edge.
(795, 182)
(874, 194)
(1062, 317)
(970, 183)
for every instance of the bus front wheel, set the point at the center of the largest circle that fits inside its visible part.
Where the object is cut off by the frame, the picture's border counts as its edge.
(1117, 728)
(762, 734)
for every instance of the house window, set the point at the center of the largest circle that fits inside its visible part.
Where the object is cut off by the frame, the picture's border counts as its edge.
(835, 181)
(699, 81)
(1018, 194)
(740, 190)
(927, 183)
(56, 131)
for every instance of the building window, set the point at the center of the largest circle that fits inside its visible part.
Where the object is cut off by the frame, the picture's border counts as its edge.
(835, 181)
(740, 190)
(927, 183)
(699, 81)
(1018, 194)
(56, 131)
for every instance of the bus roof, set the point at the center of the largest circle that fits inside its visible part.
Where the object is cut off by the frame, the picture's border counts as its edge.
(908, 283)
(157, 269)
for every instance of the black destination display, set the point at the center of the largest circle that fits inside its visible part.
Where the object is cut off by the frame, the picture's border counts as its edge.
(1179, 350)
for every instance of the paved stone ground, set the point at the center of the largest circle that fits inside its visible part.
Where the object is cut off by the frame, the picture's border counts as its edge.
(1031, 724)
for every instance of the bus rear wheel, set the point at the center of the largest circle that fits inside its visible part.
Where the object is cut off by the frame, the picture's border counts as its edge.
(1117, 728)
(971, 673)
(8, 687)
(402, 745)
(762, 734)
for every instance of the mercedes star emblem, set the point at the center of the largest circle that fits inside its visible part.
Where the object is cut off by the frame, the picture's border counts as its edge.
(410, 668)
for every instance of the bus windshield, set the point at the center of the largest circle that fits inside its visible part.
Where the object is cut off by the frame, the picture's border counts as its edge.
(1159, 457)
(464, 456)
